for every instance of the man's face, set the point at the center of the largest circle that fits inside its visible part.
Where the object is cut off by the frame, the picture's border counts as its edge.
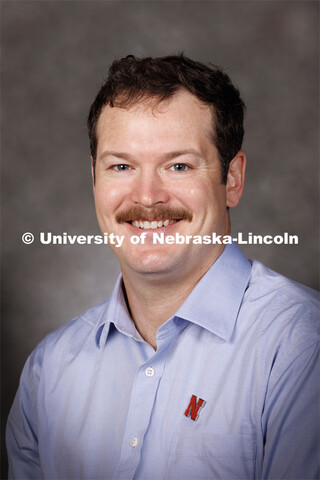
(157, 167)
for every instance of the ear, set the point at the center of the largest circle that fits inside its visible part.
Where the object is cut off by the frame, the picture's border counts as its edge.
(92, 174)
(235, 179)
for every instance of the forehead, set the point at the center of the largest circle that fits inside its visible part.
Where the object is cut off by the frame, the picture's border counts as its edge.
(180, 121)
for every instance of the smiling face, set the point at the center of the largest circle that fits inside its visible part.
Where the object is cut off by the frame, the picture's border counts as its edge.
(157, 170)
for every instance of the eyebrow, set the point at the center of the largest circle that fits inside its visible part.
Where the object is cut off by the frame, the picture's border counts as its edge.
(168, 156)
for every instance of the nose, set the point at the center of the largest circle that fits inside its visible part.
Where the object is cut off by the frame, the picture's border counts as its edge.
(149, 189)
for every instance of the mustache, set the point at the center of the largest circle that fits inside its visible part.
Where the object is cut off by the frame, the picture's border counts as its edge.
(154, 213)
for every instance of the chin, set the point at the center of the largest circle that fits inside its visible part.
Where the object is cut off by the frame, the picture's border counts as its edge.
(154, 263)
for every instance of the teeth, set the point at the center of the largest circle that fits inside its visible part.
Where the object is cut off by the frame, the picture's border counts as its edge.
(152, 225)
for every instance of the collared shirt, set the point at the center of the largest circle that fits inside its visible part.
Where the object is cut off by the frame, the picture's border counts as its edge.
(230, 392)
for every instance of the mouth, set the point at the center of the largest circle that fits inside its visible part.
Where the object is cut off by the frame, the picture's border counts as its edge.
(152, 225)
(153, 218)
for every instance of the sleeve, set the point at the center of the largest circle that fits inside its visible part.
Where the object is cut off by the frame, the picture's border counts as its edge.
(291, 421)
(21, 433)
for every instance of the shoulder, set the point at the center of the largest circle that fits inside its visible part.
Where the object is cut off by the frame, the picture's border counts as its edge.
(77, 335)
(79, 328)
(277, 291)
(285, 313)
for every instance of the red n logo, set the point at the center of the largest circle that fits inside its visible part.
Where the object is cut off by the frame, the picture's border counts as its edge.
(194, 407)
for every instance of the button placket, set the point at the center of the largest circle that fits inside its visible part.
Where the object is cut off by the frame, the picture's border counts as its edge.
(145, 386)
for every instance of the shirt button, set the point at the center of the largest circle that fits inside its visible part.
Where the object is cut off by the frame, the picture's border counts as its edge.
(149, 372)
(133, 442)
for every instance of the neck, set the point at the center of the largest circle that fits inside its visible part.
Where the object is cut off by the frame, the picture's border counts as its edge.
(153, 299)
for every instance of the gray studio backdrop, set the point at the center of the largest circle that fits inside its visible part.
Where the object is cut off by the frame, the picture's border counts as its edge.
(55, 56)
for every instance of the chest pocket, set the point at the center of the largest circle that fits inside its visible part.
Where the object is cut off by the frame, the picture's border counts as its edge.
(208, 456)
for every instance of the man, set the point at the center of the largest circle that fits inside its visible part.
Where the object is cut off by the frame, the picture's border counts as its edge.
(202, 364)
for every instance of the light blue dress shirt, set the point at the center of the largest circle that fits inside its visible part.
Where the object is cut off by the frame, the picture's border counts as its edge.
(230, 393)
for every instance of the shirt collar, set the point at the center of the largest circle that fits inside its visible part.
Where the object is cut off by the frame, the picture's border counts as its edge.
(117, 313)
(215, 301)
(213, 304)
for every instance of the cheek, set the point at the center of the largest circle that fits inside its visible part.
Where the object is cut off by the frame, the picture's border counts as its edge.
(203, 197)
(107, 198)
(209, 207)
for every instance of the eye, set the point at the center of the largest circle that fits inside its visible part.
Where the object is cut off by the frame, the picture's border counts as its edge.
(179, 167)
(121, 167)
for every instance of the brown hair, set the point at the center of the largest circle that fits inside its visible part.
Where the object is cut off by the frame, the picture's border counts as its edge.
(132, 79)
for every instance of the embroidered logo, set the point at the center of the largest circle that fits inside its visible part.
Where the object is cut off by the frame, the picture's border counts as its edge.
(194, 407)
